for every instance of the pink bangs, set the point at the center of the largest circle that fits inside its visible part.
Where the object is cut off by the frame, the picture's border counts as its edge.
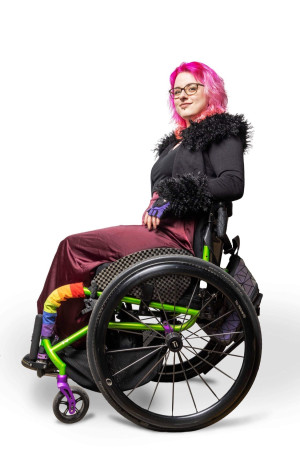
(213, 88)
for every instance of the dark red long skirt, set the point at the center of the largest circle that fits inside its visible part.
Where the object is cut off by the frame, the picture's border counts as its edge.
(79, 255)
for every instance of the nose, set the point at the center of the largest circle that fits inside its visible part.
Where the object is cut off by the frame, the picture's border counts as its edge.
(183, 95)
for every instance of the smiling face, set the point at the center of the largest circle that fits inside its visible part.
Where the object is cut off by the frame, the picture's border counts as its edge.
(189, 106)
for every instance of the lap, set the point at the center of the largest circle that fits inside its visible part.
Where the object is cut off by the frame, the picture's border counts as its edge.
(78, 256)
(109, 244)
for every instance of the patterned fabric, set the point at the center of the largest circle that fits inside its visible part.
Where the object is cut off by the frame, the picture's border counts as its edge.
(244, 277)
(167, 288)
(240, 272)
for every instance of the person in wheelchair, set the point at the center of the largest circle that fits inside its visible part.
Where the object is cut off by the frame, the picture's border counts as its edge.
(199, 164)
(160, 319)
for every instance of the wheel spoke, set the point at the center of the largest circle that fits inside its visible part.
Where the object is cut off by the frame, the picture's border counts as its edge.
(188, 307)
(216, 334)
(135, 332)
(196, 336)
(204, 381)
(207, 362)
(195, 333)
(138, 360)
(180, 359)
(215, 351)
(164, 367)
(136, 319)
(148, 373)
(173, 387)
(151, 312)
(218, 318)
(207, 303)
(134, 348)
(162, 305)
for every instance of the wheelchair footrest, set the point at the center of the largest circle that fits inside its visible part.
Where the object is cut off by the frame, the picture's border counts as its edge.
(42, 367)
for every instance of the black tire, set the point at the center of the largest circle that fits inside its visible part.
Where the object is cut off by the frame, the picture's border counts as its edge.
(171, 414)
(61, 407)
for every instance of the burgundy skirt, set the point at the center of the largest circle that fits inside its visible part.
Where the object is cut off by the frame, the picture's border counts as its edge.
(79, 255)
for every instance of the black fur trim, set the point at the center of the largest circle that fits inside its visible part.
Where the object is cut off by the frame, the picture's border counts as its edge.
(188, 195)
(164, 142)
(199, 136)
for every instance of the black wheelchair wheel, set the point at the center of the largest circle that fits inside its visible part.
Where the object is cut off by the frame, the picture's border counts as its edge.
(61, 407)
(129, 373)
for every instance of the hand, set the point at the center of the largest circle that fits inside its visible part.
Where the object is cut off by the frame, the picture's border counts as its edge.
(155, 213)
(158, 208)
(150, 221)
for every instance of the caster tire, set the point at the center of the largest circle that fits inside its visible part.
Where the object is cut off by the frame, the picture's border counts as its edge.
(61, 406)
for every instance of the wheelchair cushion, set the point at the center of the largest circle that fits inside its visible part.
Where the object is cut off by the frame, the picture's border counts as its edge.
(168, 288)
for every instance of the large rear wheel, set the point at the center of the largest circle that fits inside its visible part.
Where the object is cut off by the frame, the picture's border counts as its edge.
(149, 360)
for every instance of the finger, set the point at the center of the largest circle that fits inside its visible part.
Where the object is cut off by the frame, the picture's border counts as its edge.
(154, 222)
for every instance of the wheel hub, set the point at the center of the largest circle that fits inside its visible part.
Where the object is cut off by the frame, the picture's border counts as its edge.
(174, 342)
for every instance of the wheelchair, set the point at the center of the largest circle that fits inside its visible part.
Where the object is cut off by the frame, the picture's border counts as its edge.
(173, 341)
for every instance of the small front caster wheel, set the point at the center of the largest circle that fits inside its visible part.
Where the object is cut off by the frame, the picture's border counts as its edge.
(61, 406)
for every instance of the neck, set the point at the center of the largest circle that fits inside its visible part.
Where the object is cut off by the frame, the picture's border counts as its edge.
(187, 123)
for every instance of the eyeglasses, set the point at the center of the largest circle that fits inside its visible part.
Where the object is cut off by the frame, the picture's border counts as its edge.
(189, 89)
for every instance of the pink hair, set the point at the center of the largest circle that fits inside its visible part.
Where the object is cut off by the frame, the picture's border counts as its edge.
(213, 88)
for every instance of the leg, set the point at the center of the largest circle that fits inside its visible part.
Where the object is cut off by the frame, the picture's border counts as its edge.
(78, 255)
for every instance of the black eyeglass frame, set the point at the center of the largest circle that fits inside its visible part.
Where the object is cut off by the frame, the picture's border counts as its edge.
(183, 89)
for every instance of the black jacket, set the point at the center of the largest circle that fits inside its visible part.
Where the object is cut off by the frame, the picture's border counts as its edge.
(208, 165)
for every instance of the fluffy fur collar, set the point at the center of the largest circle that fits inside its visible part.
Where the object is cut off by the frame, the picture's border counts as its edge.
(199, 136)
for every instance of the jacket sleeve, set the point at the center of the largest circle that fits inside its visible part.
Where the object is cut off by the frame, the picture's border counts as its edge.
(227, 161)
(190, 194)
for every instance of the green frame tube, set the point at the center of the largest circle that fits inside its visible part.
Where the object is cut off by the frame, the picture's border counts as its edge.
(52, 350)
(206, 253)
(61, 366)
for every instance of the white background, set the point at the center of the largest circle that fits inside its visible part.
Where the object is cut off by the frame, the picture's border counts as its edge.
(83, 101)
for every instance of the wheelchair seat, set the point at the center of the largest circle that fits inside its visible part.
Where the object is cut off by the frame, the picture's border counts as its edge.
(168, 287)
